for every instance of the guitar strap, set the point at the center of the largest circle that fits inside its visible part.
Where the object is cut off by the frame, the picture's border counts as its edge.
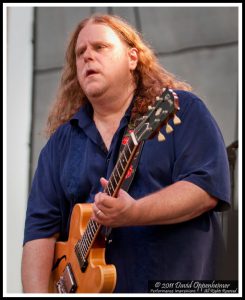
(132, 169)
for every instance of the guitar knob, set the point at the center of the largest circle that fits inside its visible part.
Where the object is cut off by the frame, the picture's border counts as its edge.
(169, 128)
(176, 120)
(161, 137)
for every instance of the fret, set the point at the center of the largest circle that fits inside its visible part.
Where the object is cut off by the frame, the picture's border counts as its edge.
(131, 145)
(90, 235)
(109, 189)
(82, 247)
(121, 163)
(91, 225)
(80, 253)
(84, 240)
(127, 151)
(113, 181)
(96, 225)
(124, 158)
(117, 175)
(86, 244)
(79, 245)
(83, 254)
(81, 250)
(119, 168)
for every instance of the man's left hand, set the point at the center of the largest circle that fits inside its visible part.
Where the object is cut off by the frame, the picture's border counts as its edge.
(113, 212)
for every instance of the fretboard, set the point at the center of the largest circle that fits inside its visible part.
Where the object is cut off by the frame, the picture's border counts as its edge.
(121, 167)
(115, 181)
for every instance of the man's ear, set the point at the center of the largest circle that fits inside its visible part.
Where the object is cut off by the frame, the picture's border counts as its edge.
(133, 58)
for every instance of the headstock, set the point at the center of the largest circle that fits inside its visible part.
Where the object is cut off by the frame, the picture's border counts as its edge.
(164, 109)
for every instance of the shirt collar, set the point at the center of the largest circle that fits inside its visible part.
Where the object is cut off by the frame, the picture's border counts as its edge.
(84, 116)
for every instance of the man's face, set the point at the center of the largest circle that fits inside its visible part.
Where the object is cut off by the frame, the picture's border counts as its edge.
(104, 62)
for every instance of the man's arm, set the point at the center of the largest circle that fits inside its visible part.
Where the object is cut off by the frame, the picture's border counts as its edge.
(176, 203)
(37, 260)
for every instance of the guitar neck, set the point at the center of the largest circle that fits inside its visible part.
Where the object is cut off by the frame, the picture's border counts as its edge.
(120, 170)
(115, 181)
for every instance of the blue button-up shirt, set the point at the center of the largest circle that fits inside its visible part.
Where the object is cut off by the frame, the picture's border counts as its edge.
(73, 160)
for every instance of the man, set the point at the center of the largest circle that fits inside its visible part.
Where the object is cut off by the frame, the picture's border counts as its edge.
(166, 227)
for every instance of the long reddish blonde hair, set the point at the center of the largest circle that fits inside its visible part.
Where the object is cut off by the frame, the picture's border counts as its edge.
(150, 77)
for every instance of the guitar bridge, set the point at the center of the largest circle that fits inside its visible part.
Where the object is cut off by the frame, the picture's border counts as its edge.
(67, 283)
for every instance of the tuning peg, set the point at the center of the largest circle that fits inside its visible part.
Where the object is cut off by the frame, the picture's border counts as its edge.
(161, 137)
(176, 120)
(159, 98)
(169, 128)
(158, 112)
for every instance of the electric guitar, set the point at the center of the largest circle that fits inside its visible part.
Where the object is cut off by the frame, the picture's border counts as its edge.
(79, 263)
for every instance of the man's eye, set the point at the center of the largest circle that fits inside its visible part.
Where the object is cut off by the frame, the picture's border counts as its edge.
(79, 53)
(98, 47)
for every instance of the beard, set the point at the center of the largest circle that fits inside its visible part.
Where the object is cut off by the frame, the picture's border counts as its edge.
(94, 88)
(95, 92)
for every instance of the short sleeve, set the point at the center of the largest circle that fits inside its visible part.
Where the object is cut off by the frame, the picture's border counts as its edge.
(43, 216)
(200, 152)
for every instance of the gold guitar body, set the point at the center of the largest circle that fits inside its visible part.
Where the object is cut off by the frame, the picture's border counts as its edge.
(98, 276)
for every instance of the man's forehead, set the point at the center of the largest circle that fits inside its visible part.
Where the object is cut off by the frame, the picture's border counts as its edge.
(98, 32)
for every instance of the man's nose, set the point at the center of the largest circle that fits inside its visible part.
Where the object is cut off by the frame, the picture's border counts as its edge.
(88, 54)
